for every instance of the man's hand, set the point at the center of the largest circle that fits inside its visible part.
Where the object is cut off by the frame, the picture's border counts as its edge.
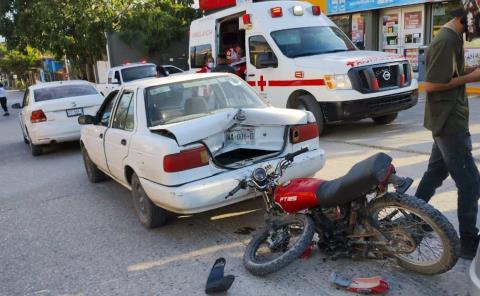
(474, 76)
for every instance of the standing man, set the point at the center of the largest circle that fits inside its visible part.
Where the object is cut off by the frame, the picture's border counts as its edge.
(3, 100)
(446, 115)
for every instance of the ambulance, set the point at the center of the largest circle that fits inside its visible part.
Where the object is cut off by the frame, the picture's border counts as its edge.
(296, 57)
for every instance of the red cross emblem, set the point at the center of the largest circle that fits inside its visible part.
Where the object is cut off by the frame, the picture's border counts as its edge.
(262, 83)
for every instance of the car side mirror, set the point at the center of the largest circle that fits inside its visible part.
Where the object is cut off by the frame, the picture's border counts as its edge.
(115, 81)
(266, 60)
(16, 106)
(86, 119)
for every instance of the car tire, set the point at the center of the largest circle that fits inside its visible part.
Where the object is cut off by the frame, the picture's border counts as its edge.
(93, 173)
(36, 150)
(309, 103)
(385, 119)
(148, 213)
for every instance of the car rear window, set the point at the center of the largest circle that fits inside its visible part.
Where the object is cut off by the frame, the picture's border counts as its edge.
(190, 99)
(64, 91)
(140, 72)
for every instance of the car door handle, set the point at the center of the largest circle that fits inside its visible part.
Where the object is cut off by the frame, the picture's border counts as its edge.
(251, 75)
(101, 136)
(123, 142)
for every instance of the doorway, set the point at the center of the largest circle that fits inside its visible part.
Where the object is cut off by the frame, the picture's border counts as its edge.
(402, 31)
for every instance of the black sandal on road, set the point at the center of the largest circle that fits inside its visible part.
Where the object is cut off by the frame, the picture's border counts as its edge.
(216, 282)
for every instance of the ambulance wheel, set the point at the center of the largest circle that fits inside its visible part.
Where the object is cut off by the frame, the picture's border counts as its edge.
(385, 119)
(309, 103)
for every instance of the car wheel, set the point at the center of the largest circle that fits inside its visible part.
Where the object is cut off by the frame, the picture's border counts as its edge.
(35, 149)
(93, 173)
(148, 213)
(385, 119)
(309, 103)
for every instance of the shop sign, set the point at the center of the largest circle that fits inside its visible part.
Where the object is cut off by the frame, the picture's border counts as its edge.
(344, 6)
(472, 57)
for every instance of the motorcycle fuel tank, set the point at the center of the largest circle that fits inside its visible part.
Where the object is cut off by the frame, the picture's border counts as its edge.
(297, 195)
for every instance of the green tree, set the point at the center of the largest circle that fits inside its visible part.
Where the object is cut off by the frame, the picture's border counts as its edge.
(76, 28)
(19, 62)
(156, 23)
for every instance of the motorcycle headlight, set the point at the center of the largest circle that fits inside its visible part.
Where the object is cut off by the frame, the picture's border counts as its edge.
(259, 175)
(337, 82)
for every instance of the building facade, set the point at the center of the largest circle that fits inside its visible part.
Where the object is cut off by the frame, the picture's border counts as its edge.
(396, 26)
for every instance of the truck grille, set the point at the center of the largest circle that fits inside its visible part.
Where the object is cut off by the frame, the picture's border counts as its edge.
(386, 76)
(375, 78)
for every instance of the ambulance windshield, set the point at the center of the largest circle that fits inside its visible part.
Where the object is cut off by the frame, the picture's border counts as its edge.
(300, 42)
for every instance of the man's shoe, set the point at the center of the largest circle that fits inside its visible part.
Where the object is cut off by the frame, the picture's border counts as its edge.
(6, 114)
(468, 247)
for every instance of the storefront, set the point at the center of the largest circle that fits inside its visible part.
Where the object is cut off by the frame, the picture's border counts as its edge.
(396, 26)
(399, 24)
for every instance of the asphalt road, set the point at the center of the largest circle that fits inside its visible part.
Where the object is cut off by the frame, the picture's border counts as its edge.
(61, 235)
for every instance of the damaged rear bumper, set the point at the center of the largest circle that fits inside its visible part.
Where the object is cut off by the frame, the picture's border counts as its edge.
(210, 193)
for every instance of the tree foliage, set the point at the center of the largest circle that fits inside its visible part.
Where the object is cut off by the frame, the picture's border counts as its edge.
(19, 62)
(77, 28)
(156, 23)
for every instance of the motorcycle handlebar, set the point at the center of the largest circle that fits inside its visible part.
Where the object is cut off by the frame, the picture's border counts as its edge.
(291, 156)
(241, 185)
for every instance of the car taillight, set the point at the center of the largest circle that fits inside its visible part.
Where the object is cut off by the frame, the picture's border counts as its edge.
(186, 160)
(38, 116)
(276, 12)
(303, 132)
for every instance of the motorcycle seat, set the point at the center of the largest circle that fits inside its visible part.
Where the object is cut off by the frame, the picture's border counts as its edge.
(360, 180)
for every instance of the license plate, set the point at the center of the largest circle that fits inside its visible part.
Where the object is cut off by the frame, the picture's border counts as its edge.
(240, 136)
(74, 112)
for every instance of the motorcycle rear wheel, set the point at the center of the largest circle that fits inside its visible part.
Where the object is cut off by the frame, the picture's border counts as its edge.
(278, 241)
(421, 222)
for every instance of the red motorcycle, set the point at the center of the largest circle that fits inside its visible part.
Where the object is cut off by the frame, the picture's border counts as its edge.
(354, 216)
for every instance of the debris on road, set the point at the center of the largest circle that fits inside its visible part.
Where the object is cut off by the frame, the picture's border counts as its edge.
(372, 285)
(216, 281)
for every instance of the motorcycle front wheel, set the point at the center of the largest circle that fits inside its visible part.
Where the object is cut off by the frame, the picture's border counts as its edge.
(426, 242)
(277, 246)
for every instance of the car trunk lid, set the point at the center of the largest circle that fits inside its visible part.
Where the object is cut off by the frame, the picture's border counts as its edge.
(67, 109)
(236, 138)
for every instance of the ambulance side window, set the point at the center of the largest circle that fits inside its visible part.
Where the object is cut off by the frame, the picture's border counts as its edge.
(199, 55)
(258, 45)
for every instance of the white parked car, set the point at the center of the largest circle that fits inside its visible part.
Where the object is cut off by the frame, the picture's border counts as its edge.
(49, 111)
(181, 143)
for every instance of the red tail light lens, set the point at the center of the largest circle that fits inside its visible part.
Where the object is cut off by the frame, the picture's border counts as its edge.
(186, 160)
(38, 116)
(303, 132)
(316, 10)
(276, 12)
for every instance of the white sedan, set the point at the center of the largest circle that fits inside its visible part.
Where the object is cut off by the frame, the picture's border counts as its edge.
(49, 112)
(181, 143)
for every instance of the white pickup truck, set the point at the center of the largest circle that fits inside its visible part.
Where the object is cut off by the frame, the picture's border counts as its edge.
(117, 76)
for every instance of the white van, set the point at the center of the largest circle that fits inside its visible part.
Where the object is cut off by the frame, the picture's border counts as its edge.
(298, 58)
